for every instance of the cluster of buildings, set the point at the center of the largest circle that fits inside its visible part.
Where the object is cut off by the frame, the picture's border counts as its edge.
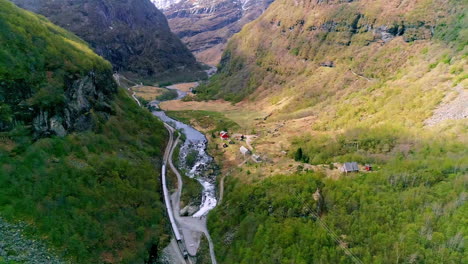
(348, 167)
(243, 150)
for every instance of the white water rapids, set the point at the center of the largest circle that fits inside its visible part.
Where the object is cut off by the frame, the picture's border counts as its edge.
(195, 141)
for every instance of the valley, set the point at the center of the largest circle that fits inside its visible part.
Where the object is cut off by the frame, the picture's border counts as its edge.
(329, 132)
(311, 111)
(241, 177)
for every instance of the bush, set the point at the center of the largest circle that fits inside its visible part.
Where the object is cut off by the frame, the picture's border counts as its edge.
(191, 158)
(359, 144)
(169, 94)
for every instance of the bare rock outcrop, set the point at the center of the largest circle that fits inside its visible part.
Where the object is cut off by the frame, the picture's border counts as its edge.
(453, 107)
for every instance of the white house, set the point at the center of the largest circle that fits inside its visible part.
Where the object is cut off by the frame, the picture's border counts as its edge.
(244, 150)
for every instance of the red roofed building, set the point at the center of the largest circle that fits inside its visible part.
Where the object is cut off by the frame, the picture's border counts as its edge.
(224, 135)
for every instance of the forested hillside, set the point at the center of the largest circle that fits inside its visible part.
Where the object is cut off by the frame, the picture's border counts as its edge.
(361, 79)
(411, 209)
(79, 160)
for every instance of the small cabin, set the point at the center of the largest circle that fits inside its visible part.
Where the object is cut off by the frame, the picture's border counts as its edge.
(350, 167)
(224, 135)
(244, 150)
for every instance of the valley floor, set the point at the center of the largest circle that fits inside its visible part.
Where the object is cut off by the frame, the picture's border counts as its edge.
(269, 139)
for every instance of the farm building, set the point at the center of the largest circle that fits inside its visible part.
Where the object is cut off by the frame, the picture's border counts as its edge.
(244, 150)
(350, 167)
(224, 135)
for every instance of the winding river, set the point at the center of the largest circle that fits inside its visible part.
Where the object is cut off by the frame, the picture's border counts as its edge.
(202, 170)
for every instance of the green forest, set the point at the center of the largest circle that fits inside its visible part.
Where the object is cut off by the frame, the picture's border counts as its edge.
(79, 191)
(411, 209)
(93, 196)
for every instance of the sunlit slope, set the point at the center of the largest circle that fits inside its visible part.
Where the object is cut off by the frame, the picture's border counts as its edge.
(79, 160)
(362, 62)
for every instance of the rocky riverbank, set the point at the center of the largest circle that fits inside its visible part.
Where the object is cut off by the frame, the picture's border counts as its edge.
(15, 247)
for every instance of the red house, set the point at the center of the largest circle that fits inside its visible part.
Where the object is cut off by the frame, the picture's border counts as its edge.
(224, 135)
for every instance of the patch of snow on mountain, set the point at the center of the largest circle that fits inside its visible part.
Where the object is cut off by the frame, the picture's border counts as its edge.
(163, 4)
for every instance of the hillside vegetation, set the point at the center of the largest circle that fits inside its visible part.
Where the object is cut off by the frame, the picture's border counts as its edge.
(49, 77)
(411, 209)
(359, 62)
(365, 75)
(79, 160)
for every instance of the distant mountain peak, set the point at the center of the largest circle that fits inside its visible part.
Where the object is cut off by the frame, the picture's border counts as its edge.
(206, 25)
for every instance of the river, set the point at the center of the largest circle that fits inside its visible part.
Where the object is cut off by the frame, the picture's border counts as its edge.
(204, 167)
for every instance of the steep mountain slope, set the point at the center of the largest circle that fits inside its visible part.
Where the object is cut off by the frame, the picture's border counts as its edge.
(133, 35)
(323, 58)
(206, 25)
(77, 155)
(343, 81)
(53, 87)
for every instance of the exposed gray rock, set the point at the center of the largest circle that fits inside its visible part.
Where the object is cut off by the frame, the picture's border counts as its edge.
(16, 247)
(453, 107)
(56, 126)
(93, 92)
(189, 210)
(205, 26)
(384, 34)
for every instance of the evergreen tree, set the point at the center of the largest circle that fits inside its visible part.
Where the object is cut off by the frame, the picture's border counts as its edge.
(298, 156)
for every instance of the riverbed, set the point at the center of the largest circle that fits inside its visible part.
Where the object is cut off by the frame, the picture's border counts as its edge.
(203, 169)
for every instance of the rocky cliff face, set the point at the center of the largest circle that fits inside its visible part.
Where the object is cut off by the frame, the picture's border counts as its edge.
(92, 92)
(206, 25)
(61, 111)
(132, 34)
